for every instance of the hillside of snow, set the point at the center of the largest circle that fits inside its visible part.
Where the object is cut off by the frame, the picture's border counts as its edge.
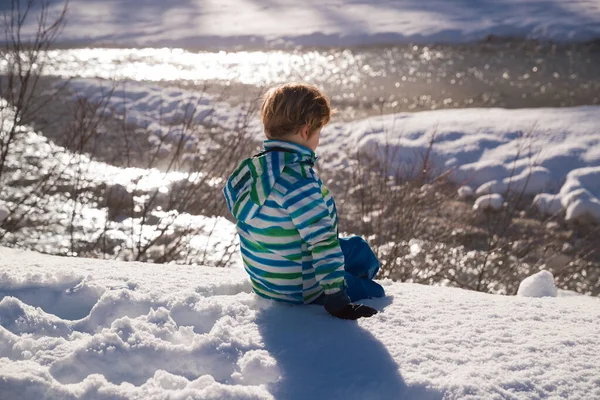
(90, 329)
(230, 23)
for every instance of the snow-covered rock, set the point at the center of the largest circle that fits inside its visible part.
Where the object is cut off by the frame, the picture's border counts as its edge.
(584, 211)
(529, 181)
(482, 148)
(547, 204)
(465, 192)
(580, 195)
(488, 202)
(538, 285)
(144, 331)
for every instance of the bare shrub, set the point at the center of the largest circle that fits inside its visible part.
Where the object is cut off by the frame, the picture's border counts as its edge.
(409, 213)
(185, 167)
(391, 202)
(59, 186)
(23, 64)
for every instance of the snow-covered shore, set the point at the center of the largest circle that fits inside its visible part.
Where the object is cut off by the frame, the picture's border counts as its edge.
(282, 23)
(551, 152)
(82, 329)
(554, 151)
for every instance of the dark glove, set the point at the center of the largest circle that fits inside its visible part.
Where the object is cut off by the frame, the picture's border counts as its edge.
(339, 306)
(355, 311)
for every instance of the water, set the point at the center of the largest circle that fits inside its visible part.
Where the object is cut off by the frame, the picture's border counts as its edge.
(363, 81)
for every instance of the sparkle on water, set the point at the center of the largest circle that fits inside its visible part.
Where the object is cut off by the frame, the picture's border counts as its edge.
(401, 78)
(156, 65)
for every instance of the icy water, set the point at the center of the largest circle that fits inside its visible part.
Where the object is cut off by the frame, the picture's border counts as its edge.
(371, 79)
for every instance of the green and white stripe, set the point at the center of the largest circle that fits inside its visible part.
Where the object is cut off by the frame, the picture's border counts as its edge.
(287, 224)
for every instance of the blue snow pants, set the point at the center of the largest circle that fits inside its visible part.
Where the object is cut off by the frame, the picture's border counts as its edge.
(361, 265)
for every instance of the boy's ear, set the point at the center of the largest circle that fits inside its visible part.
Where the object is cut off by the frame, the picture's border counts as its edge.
(305, 132)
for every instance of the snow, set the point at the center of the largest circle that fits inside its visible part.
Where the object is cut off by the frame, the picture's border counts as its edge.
(230, 23)
(132, 330)
(488, 202)
(547, 204)
(465, 192)
(579, 197)
(530, 181)
(548, 152)
(584, 210)
(158, 109)
(581, 193)
(538, 285)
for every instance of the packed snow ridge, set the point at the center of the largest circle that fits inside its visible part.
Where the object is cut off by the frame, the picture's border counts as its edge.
(281, 23)
(549, 155)
(73, 328)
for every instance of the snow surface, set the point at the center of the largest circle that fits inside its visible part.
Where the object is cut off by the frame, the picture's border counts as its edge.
(465, 192)
(489, 202)
(75, 328)
(538, 285)
(160, 110)
(229, 23)
(495, 151)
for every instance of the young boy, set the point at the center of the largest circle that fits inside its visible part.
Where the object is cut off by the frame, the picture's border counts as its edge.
(287, 220)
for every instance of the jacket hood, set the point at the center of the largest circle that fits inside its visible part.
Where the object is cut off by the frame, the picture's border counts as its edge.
(249, 186)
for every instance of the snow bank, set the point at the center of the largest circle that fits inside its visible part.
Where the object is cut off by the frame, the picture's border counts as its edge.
(230, 23)
(530, 181)
(579, 197)
(527, 151)
(157, 332)
(465, 192)
(524, 151)
(161, 111)
(581, 193)
(489, 202)
(538, 285)
(494, 151)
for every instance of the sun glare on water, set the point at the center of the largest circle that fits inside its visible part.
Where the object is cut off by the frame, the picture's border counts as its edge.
(164, 64)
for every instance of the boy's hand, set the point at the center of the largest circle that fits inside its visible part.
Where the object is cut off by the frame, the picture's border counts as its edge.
(354, 311)
(339, 306)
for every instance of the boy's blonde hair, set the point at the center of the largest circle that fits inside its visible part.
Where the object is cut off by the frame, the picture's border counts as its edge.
(287, 108)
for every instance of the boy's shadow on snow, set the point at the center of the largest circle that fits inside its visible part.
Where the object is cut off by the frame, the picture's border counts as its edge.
(321, 357)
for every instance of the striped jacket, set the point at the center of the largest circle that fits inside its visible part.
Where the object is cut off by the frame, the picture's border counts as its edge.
(287, 225)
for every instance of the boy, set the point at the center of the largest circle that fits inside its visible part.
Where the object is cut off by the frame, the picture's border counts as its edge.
(286, 218)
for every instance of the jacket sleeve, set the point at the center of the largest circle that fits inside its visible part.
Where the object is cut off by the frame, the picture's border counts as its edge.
(309, 213)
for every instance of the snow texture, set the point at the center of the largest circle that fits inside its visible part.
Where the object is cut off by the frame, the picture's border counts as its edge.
(489, 202)
(526, 152)
(538, 285)
(157, 108)
(230, 23)
(465, 192)
(74, 328)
